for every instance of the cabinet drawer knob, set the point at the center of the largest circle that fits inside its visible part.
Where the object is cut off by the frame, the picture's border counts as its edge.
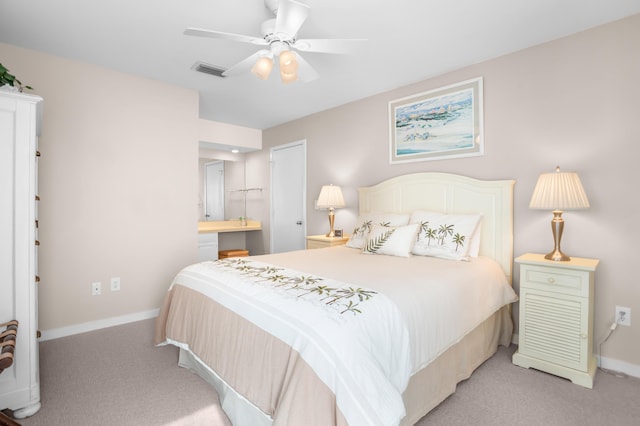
(551, 280)
(583, 336)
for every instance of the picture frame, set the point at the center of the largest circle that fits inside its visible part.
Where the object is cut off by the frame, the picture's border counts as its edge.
(442, 123)
(337, 233)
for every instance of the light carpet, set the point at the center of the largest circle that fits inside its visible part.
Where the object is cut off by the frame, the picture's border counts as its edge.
(116, 376)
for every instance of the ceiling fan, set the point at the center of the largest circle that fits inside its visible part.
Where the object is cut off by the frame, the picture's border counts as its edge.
(279, 38)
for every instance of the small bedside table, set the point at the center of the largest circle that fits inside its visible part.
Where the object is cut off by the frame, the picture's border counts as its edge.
(321, 241)
(556, 317)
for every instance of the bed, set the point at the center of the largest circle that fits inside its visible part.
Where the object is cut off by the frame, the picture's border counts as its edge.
(368, 333)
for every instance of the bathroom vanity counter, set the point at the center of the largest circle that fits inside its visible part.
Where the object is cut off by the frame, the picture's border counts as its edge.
(228, 226)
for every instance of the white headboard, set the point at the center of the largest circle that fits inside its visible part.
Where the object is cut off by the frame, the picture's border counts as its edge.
(449, 193)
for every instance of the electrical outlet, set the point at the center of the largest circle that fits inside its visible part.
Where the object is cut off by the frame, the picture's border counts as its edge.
(96, 288)
(115, 284)
(623, 315)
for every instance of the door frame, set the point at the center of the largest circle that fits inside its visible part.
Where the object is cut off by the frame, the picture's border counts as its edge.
(303, 143)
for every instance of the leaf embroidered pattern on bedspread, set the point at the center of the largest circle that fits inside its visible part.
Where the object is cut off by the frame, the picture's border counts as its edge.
(311, 288)
(354, 338)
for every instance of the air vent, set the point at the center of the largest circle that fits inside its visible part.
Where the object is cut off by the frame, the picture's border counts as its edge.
(208, 69)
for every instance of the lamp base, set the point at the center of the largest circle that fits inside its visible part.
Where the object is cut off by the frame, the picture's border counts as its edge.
(557, 226)
(332, 216)
(557, 256)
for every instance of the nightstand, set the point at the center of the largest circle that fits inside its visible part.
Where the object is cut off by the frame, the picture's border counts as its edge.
(322, 241)
(556, 317)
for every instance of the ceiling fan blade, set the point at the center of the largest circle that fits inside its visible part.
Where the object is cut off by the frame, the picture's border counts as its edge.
(246, 64)
(227, 36)
(306, 72)
(329, 45)
(290, 17)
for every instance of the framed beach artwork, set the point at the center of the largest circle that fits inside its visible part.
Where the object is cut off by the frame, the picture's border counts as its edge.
(439, 124)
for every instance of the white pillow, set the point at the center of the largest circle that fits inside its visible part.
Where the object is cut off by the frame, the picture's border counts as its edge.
(391, 240)
(365, 222)
(449, 236)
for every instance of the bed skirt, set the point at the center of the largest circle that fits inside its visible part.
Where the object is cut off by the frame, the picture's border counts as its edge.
(434, 383)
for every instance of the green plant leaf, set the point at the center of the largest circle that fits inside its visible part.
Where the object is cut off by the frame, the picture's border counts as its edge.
(376, 244)
(11, 80)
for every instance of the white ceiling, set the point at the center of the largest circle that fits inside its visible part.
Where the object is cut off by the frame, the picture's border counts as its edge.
(408, 41)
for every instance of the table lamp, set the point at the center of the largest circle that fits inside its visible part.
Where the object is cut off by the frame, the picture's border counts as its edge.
(330, 198)
(558, 191)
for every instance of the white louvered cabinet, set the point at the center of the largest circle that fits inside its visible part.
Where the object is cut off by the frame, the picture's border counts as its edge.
(556, 317)
(19, 123)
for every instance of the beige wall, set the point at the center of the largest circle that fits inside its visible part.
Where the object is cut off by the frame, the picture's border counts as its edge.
(571, 102)
(118, 182)
(229, 134)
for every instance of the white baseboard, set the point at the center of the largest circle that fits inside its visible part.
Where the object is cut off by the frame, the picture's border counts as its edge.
(607, 363)
(56, 333)
(620, 366)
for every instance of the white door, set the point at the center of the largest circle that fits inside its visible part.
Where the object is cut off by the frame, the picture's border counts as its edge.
(288, 200)
(214, 191)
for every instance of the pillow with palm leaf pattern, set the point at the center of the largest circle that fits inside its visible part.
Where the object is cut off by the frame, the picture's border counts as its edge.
(391, 240)
(448, 236)
(366, 221)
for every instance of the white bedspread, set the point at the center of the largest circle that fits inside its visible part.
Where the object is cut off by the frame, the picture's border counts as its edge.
(440, 300)
(365, 353)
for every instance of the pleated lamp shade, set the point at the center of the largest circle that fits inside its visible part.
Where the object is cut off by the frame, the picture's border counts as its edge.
(559, 191)
(330, 197)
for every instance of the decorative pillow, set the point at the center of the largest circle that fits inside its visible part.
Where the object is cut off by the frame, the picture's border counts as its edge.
(365, 222)
(391, 240)
(448, 236)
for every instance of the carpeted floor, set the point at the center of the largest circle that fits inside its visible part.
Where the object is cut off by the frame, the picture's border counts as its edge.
(500, 393)
(116, 376)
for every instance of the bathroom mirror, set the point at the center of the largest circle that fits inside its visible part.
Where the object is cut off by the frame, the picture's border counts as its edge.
(214, 191)
(225, 203)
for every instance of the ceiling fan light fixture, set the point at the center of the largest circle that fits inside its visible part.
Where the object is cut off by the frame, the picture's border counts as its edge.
(279, 38)
(288, 66)
(288, 78)
(288, 62)
(262, 68)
